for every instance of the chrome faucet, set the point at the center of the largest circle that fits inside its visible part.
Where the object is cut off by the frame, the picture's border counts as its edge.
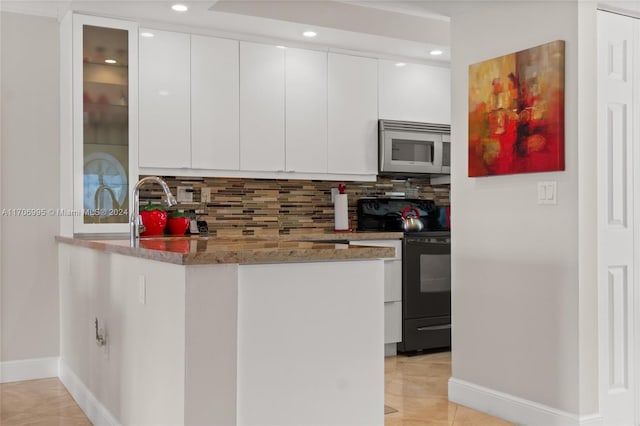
(135, 224)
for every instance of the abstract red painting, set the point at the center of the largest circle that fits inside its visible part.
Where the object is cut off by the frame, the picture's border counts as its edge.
(516, 112)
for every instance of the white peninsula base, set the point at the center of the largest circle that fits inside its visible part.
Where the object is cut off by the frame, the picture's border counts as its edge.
(222, 344)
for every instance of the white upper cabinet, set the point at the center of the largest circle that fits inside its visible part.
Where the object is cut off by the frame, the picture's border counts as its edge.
(353, 114)
(262, 144)
(306, 111)
(215, 116)
(99, 122)
(165, 104)
(414, 92)
(211, 106)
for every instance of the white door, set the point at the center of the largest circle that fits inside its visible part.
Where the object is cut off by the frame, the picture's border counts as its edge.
(618, 211)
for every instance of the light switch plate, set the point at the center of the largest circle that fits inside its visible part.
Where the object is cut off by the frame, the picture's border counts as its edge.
(548, 192)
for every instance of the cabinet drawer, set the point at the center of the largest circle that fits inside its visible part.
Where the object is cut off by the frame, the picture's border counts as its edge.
(392, 322)
(392, 280)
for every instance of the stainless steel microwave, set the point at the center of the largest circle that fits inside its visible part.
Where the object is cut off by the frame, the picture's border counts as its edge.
(409, 148)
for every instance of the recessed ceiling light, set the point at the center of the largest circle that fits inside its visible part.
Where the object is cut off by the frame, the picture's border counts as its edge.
(436, 52)
(111, 61)
(400, 64)
(309, 34)
(281, 47)
(146, 34)
(179, 8)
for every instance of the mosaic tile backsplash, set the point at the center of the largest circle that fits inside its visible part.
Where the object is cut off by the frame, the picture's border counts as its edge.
(268, 207)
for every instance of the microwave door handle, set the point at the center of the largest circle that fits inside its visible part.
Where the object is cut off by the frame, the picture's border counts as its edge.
(436, 150)
(386, 154)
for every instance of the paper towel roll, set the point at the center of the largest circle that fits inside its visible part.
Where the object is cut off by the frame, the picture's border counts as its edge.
(341, 212)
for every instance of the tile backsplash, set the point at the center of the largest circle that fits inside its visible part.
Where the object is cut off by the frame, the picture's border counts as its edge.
(268, 207)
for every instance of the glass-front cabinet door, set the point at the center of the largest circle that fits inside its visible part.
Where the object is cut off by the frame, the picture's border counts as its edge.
(105, 122)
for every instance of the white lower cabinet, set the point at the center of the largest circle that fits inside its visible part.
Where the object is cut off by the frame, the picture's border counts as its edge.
(392, 326)
(204, 344)
(392, 293)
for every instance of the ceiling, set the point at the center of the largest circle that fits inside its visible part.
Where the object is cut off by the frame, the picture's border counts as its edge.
(391, 29)
(394, 29)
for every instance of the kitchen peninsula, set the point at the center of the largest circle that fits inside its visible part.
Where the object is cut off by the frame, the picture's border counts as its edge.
(219, 331)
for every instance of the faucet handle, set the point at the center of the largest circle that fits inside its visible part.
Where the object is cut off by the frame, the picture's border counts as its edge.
(141, 227)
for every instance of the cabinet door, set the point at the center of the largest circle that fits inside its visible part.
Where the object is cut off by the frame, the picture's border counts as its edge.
(392, 267)
(215, 116)
(414, 92)
(392, 322)
(392, 280)
(165, 106)
(261, 107)
(353, 114)
(104, 91)
(306, 111)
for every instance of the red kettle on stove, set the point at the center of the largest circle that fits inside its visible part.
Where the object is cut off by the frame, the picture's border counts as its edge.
(411, 220)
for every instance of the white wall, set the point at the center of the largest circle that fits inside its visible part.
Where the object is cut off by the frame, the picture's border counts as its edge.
(516, 272)
(29, 178)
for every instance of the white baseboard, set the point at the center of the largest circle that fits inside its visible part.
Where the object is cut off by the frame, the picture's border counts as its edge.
(28, 369)
(93, 409)
(391, 349)
(514, 409)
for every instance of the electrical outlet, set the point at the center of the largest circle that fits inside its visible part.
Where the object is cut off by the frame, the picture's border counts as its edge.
(193, 227)
(205, 195)
(185, 194)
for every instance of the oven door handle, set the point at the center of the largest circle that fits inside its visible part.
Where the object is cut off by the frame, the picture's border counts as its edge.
(434, 327)
(422, 242)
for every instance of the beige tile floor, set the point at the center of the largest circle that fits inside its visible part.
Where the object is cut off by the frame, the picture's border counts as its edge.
(43, 402)
(415, 386)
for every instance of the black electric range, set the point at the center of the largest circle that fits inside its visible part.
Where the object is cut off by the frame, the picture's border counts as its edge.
(426, 270)
(385, 214)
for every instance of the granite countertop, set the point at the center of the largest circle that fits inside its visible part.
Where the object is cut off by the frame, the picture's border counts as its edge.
(320, 235)
(248, 250)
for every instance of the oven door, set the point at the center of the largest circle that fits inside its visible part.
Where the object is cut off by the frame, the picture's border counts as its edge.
(426, 293)
(427, 276)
